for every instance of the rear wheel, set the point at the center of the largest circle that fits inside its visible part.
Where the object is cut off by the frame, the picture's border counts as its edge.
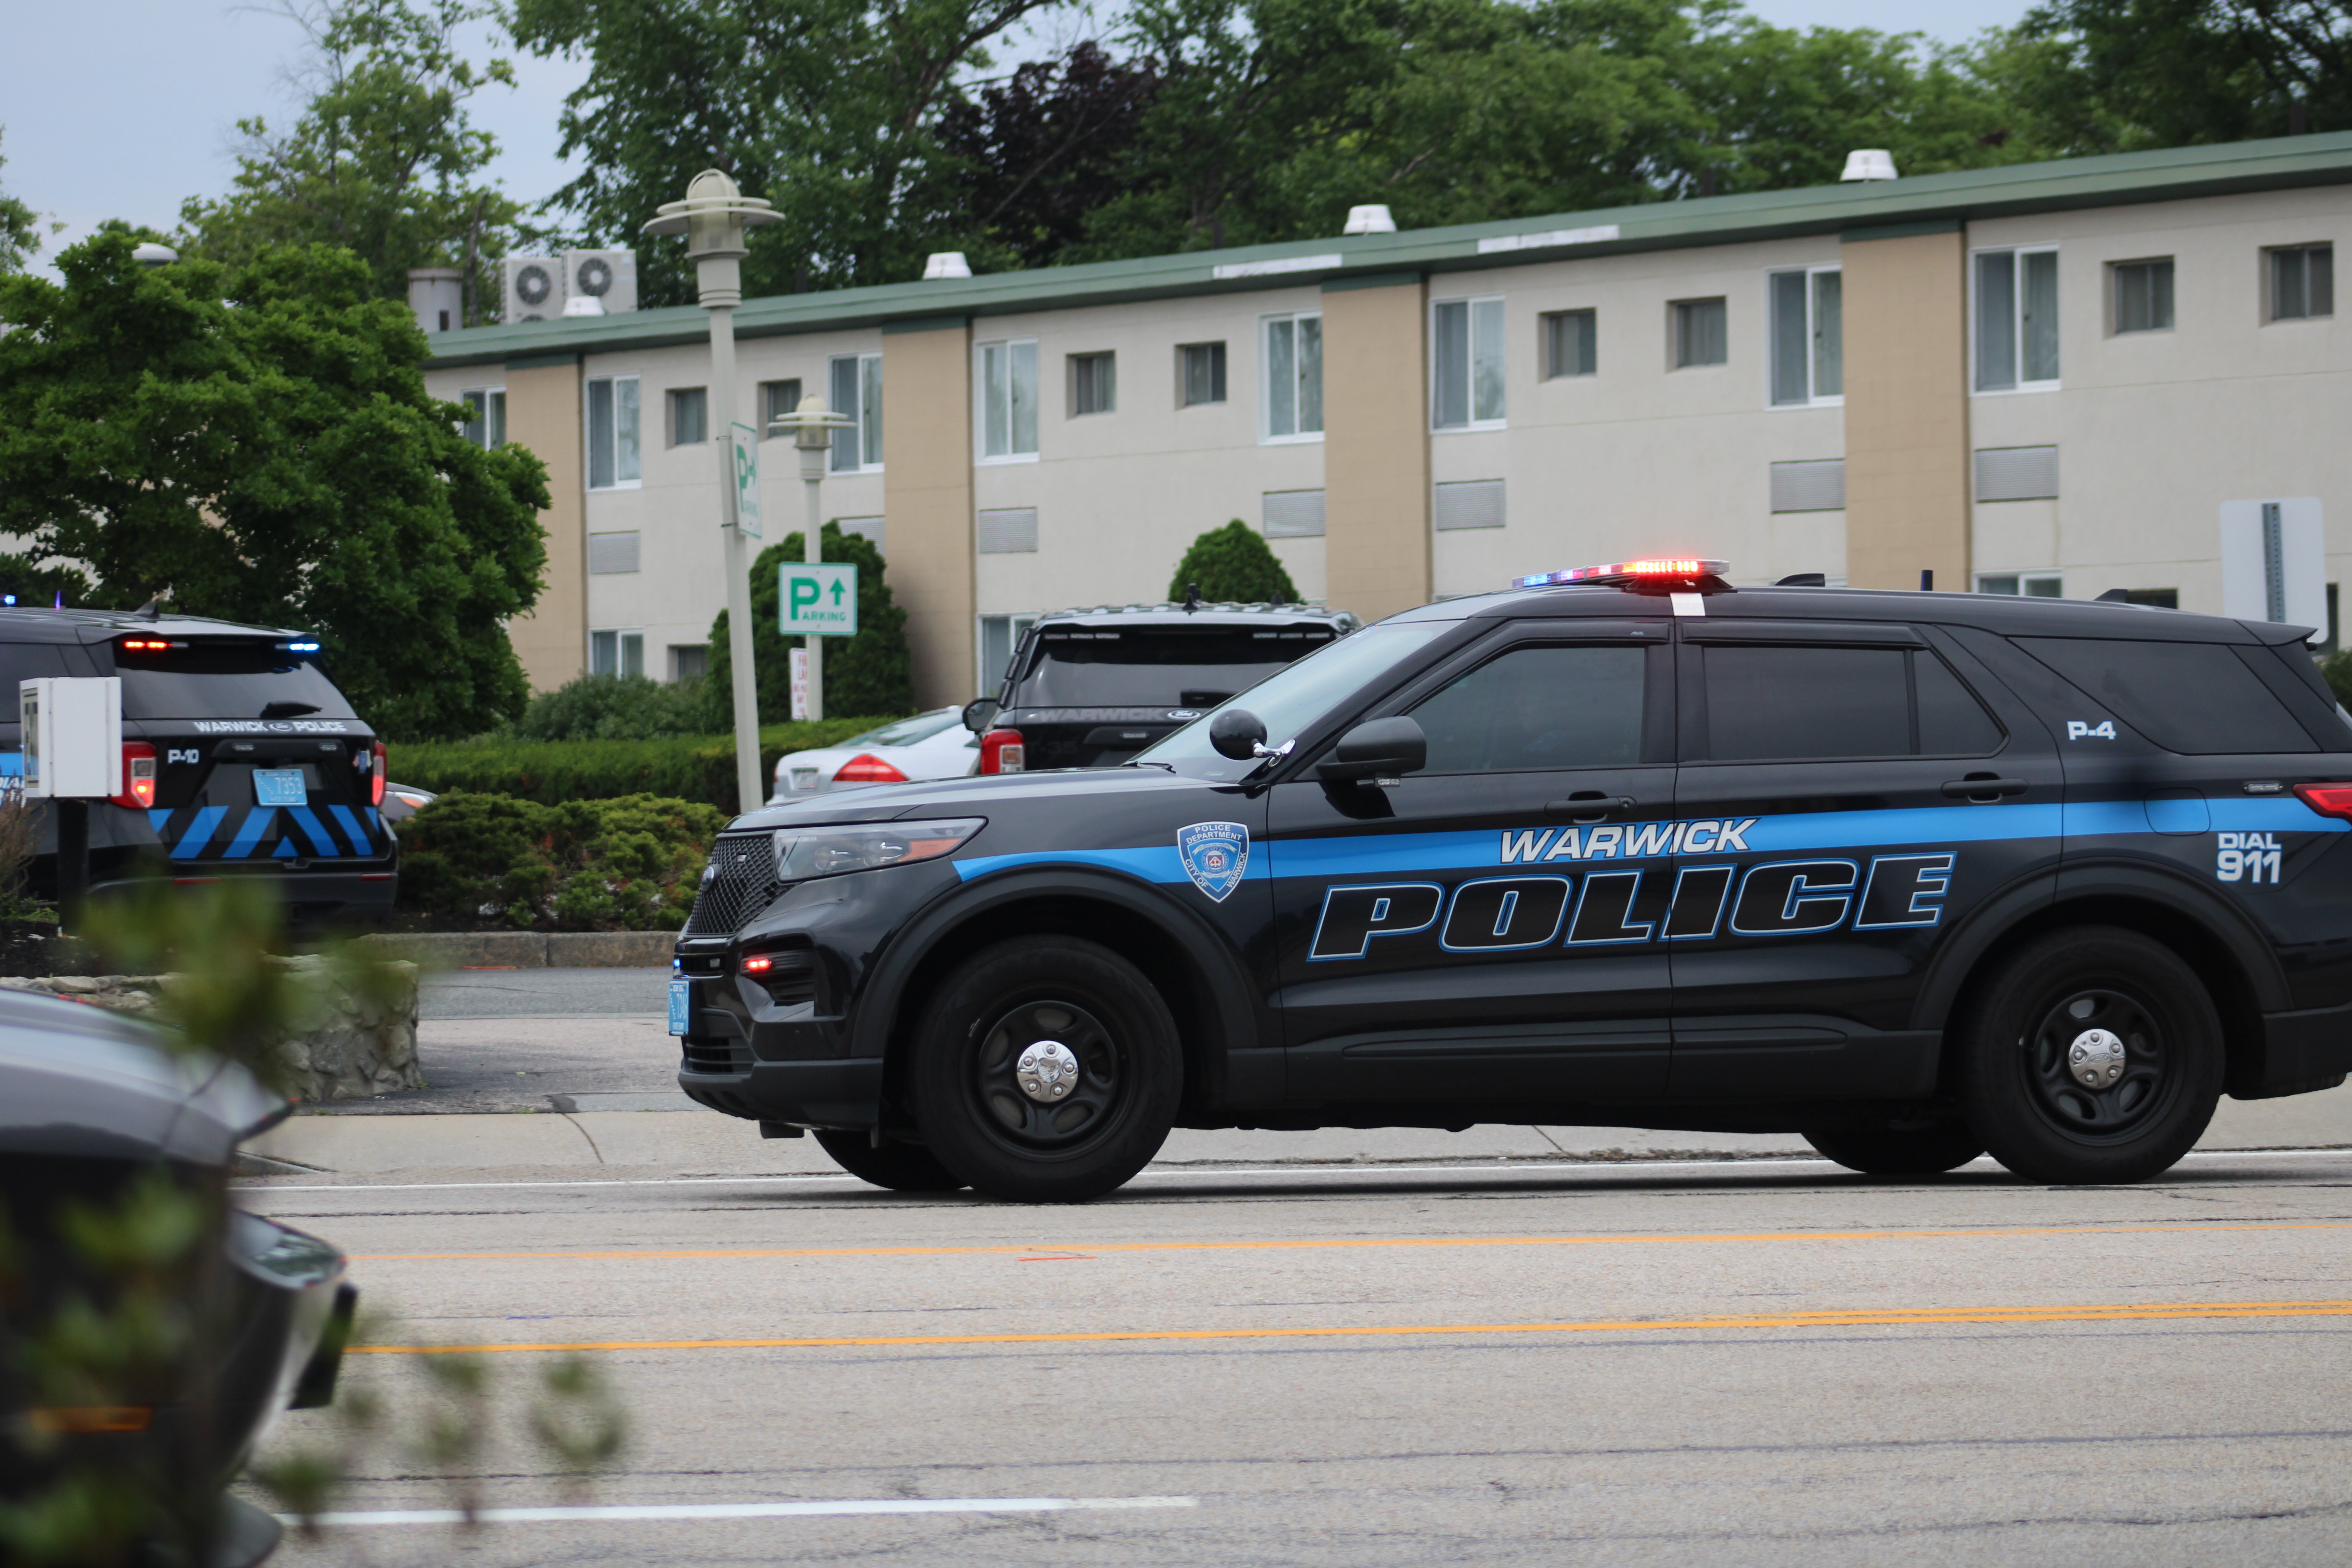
(901, 1167)
(1046, 1069)
(1908, 1148)
(2093, 1055)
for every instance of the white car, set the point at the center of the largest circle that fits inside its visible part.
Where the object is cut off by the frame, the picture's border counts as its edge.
(933, 745)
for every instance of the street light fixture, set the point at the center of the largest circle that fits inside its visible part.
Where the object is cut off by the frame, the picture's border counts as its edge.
(713, 217)
(814, 425)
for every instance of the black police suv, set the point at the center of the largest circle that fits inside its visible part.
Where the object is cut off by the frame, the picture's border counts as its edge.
(1918, 876)
(1090, 688)
(240, 758)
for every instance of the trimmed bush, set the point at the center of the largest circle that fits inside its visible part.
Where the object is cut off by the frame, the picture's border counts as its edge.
(1234, 565)
(630, 864)
(613, 708)
(697, 768)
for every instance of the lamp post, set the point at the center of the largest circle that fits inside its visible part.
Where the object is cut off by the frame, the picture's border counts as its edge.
(713, 217)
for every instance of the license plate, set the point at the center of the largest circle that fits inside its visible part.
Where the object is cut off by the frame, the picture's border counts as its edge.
(680, 994)
(279, 787)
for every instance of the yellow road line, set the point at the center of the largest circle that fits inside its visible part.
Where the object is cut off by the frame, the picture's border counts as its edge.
(1898, 1317)
(1317, 1243)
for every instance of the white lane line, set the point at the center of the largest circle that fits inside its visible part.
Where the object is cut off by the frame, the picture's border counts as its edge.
(1491, 1168)
(743, 1510)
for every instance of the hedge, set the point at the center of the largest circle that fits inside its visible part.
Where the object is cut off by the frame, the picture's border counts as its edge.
(630, 864)
(699, 768)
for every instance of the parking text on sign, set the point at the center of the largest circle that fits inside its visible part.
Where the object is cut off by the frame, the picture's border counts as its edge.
(818, 600)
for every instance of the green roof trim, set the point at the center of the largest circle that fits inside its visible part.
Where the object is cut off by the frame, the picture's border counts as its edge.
(2121, 179)
(1902, 230)
(1347, 280)
(928, 324)
(541, 362)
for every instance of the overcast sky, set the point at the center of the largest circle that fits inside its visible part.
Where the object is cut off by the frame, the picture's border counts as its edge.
(125, 108)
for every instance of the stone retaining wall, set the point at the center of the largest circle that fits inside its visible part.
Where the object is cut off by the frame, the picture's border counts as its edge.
(530, 949)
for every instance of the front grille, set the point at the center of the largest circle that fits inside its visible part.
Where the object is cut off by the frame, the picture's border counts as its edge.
(739, 882)
(717, 1056)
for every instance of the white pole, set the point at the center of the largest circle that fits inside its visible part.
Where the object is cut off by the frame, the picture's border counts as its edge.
(812, 461)
(744, 679)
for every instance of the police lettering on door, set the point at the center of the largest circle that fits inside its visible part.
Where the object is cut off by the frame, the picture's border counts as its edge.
(1573, 904)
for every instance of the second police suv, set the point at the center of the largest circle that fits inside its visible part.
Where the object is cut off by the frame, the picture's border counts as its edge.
(1918, 876)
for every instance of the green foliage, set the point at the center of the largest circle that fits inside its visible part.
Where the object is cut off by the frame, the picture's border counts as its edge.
(20, 230)
(869, 673)
(687, 767)
(2336, 669)
(1234, 565)
(629, 864)
(258, 446)
(384, 160)
(613, 708)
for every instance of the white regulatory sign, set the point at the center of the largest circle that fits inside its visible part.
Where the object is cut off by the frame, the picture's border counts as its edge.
(744, 442)
(818, 601)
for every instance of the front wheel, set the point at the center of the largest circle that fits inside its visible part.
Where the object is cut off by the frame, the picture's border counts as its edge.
(2092, 1055)
(1921, 1148)
(1046, 1069)
(901, 1167)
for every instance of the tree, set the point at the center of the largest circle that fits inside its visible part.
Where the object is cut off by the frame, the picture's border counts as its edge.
(1233, 564)
(20, 231)
(869, 674)
(383, 159)
(257, 445)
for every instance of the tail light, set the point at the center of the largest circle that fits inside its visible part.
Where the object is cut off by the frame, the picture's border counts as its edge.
(375, 769)
(138, 776)
(867, 768)
(2327, 799)
(1002, 752)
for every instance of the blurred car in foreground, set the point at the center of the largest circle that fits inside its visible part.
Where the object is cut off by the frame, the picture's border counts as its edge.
(933, 745)
(97, 1120)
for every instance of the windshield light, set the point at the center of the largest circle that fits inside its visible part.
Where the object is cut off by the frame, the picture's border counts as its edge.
(803, 852)
(1628, 571)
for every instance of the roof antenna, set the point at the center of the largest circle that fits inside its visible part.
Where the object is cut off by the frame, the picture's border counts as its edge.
(1192, 598)
(153, 609)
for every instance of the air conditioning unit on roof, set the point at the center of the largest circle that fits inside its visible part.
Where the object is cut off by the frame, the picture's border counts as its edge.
(607, 277)
(534, 289)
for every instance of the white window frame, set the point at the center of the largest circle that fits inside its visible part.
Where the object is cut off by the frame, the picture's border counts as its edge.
(490, 413)
(588, 432)
(869, 377)
(621, 636)
(1017, 622)
(2056, 579)
(1477, 308)
(1004, 352)
(2016, 254)
(1814, 397)
(1266, 326)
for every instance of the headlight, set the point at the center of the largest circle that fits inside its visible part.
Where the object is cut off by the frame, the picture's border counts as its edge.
(807, 852)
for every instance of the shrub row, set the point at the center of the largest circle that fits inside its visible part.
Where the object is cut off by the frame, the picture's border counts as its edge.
(698, 768)
(629, 864)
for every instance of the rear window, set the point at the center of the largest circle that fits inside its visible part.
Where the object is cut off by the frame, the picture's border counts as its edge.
(23, 662)
(2198, 698)
(227, 681)
(1156, 668)
(1812, 704)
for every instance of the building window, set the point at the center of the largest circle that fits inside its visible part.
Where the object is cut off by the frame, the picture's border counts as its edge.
(1466, 364)
(1008, 401)
(1294, 377)
(2032, 584)
(689, 416)
(2017, 319)
(1200, 374)
(857, 391)
(1700, 337)
(1468, 503)
(1567, 343)
(2017, 473)
(1000, 638)
(486, 415)
(612, 432)
(611, 554)
(2143, 291)
(1094, 384)
(778, 400)
(689, 661)
(1816, 485)
(2303, 283)
(1292, 514)
(1807, 313)
(616, 653)
(1008, 531)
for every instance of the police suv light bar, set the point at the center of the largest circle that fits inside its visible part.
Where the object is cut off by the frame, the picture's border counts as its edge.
(1680, 568)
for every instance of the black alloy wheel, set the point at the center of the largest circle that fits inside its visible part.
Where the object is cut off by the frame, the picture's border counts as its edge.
(901, 1167)
(2092, 1054)
(1045, 1070)
(1921, 1146)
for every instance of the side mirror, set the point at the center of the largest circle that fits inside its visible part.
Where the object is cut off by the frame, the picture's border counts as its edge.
(1375, 750)
(980, 714)
(1238, 733)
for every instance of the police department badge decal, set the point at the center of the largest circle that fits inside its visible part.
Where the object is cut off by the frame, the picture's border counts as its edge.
(1214, 854)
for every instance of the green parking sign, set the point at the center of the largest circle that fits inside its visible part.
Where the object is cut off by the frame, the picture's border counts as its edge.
(818, 601)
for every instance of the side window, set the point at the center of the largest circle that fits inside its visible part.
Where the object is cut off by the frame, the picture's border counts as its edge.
(2197, 699)
(1820, 704)
(1952, 722)
(1538, 708)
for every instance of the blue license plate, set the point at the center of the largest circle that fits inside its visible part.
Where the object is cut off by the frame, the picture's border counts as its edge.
(279, 787)
(680, 995)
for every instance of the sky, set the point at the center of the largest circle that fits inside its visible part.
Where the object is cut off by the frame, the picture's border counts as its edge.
(126, 108)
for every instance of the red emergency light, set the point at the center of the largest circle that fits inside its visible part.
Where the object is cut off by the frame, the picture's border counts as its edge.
(1653, 569)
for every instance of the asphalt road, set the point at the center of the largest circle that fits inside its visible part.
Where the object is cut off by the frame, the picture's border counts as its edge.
(1754, 1363)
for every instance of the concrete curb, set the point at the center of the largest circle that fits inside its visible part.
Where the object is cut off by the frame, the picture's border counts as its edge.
(530, 949)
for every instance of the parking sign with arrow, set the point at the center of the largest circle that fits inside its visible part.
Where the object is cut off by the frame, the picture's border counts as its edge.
(818, 600)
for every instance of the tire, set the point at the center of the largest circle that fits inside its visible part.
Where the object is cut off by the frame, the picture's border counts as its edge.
(1909, 1148)
(2087, 987)
(1114, 1043)
(901, 1167)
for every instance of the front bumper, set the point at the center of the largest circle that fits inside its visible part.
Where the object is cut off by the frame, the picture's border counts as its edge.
(841, 1093)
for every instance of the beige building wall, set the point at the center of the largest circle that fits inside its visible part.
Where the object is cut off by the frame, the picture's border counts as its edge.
(928, 499)
(543, 415)
(1906, 410)
(1376, 450)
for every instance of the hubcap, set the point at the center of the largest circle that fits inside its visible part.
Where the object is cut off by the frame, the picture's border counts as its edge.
(1047, 1072)
(2099, 1064)
(2096, 1058)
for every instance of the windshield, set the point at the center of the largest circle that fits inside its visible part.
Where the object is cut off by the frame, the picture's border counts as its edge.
(1295, 697)
(906, 732)
(1156, 668)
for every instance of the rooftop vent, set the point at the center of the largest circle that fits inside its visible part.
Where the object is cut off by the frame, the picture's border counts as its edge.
(1370, 220)
(437, 295)
(946, 264)
(1869, 163)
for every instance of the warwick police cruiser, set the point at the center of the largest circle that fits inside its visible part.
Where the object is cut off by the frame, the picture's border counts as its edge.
(1916, 875)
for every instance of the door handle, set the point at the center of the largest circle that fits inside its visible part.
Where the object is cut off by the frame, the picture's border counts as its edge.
(1589, 805)
(1982, 787)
